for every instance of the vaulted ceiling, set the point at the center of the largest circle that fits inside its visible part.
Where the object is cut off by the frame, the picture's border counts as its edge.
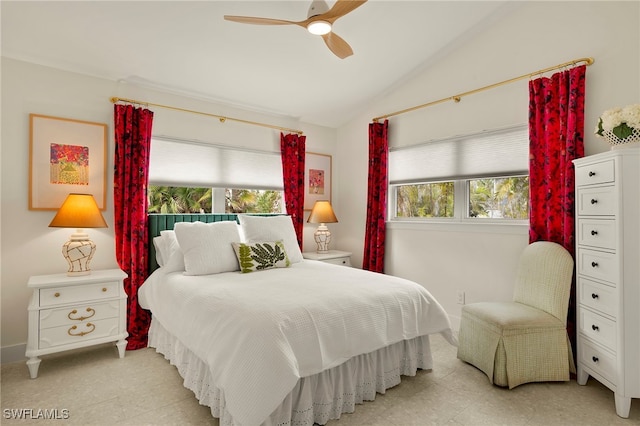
(187, 47)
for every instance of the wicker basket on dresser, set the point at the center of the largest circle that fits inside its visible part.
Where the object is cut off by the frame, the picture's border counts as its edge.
(608, 272)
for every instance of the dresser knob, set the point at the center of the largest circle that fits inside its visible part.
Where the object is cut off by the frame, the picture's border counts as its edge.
(594, 296)
(57, 295)
(595, 327)
(594, 232)
(104, 289)
(591, 174)
(594, 201)
(595, 358)
(594, 264)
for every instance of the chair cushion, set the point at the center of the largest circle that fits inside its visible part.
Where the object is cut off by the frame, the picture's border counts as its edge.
(509, 318)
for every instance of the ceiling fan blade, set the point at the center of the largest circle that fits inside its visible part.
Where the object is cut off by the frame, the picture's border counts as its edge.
(258, 21)
(340, 8)
(337, 45)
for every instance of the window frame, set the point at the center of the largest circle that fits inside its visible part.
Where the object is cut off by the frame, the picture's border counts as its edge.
(460, 178)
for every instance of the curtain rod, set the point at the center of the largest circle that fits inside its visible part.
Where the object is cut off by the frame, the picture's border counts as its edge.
(219, 117)
(457, 98)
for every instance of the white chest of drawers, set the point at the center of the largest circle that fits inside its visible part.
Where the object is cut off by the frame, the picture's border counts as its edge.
(73, 312)
(608, 272)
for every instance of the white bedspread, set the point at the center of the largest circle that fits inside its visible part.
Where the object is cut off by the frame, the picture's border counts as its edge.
(262, 331)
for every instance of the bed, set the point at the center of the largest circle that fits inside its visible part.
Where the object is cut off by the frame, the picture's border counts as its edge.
(263, 336)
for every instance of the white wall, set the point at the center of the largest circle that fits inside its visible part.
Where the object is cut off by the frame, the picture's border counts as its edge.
(530, 36)
(28, 245)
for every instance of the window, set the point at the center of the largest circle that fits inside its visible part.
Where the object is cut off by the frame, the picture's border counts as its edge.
(197, 177)
(425, 200)
(499, 198)
(475, 177)
(171, 199)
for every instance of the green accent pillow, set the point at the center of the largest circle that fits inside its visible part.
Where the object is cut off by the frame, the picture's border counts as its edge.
(261, 256)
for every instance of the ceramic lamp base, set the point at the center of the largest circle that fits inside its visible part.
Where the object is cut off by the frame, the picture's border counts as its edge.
(322, 236)
(79, 251)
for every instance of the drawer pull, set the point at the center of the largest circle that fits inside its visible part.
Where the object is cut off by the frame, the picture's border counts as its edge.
(595, 359)
(81, 333)
(594, 296)
(594, 264)
(90, 311)
(594, 201)
(57, 295)
(594, 232)
(595, 327)
(591, 174)
(104, 289)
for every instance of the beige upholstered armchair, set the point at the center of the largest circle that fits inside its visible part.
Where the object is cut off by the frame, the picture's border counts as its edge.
(525, 340)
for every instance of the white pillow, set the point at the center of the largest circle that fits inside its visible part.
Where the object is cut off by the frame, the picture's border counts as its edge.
(171, 253)
(207, 247)
(272, 228)
(159, 246)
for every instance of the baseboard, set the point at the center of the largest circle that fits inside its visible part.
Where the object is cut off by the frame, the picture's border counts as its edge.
(13, 353)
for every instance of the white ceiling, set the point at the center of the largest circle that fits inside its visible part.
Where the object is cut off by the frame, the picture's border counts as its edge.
(187, 47)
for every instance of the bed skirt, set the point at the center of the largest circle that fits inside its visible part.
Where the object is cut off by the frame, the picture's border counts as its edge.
(314, 399)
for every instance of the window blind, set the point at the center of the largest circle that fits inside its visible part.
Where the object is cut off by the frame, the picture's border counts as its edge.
(197, 164)
(488, 154)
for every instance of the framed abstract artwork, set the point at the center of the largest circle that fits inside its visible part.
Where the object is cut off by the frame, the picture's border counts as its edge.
(66, 156)
(317, 178)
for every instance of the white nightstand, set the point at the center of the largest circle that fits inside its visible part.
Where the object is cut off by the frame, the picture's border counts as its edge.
(74, 312)
(336, 257)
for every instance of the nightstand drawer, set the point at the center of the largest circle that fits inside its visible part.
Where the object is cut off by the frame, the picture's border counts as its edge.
(598, 328)
(595, 173)
(600, 265)
(598, 201)
(80, 293)
(75, 314)
(76, 333)
(598, 296)
(597, 359)
(599, 233)
(344, 261)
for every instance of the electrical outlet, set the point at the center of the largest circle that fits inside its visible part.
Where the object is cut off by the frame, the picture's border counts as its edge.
(460, 295)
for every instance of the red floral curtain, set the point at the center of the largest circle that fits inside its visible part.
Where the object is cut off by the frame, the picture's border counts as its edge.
(556, 137)
(131, 164)
(374, 237)
(292, 148)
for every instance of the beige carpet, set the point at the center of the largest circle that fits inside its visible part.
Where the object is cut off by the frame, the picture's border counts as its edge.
(94, 387)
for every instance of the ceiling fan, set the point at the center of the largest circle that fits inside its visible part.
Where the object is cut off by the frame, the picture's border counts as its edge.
(319, 21)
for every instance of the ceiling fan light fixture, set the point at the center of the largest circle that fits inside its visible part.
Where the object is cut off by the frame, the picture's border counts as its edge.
(319, 27)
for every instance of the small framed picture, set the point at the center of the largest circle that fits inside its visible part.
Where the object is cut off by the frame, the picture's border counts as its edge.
(317, 179)
(66, 156)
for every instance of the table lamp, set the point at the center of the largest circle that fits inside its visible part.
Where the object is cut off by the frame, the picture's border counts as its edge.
(322, 213)
(79, 211)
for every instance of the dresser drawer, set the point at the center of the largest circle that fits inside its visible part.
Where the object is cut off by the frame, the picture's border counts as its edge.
(597, 264)
(78, 333)
(598, 359)
(74, 314)
(598, 328)
(597, 233)
(80, 293)
(598, 296)
(598, 201)
(595, 173)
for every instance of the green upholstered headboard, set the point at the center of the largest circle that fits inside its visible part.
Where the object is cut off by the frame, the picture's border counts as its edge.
(162, 222)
